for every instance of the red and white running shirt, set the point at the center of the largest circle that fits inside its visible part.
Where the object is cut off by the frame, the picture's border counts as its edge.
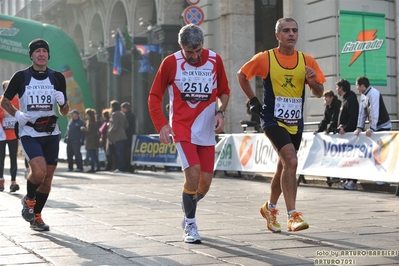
(193, 90)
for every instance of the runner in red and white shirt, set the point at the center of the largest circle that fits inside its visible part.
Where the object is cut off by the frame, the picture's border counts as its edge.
(195, 78)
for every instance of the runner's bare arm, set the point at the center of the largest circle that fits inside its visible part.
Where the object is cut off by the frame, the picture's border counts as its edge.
(7, 106)
(223, 101)
(315, 87)
(245, 85)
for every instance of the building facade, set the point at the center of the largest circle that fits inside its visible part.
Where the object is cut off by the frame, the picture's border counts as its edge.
(234, 29)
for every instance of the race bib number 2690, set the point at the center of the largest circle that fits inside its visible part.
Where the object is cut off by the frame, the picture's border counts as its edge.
(288, 110)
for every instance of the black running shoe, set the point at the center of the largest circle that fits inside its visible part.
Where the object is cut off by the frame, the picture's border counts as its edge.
(14, 188)
(28, 206)
(38, 225)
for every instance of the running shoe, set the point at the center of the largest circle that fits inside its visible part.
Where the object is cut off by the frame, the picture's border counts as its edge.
(296, 223)
(270, 216)
(14, 187)
(351, 185)
(191, 235)
(1, 184)
(342, 186)
(38, 225)
(28, 206)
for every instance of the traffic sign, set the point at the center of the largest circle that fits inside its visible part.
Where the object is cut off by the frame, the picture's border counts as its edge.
(194, 15)
(193, 2)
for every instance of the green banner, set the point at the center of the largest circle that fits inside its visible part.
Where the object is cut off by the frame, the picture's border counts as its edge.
(15, 35)
(362, 45)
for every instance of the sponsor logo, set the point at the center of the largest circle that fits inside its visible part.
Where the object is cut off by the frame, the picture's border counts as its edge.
(7, 28)
(245, 151)
(365, 41)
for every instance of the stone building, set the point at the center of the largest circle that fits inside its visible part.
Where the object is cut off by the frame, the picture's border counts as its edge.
(234, 29)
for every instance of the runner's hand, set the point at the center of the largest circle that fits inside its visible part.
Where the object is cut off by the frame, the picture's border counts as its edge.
(256, 107)
(219, 123)
(22, 118)
(59, 97)
(164, 133)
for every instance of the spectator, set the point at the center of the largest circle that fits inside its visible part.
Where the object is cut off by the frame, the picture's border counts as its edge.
(331, 113)
(372, 106)
(7, 123)
(117, 134)
(103, 139)
(329, 124)
(74, 138)
(130, 131)
(347, 121)
(92, 139)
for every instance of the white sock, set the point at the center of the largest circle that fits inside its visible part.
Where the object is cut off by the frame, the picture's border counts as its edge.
(190, 220)
(290, 212)
(271, 205)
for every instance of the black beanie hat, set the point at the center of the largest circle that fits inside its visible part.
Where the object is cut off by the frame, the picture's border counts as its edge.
(38, 43)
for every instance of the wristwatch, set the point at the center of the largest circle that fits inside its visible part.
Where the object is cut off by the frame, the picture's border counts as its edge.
(220, 112)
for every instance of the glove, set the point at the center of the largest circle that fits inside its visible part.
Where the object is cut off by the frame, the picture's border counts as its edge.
(22, 118)
(59, 97)
(256, 107)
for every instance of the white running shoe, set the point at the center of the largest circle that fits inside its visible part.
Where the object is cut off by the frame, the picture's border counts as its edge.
(190, 234)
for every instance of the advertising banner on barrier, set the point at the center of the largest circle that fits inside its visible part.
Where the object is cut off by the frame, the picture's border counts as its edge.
(253, 153)
(349, 156)
(148, 150)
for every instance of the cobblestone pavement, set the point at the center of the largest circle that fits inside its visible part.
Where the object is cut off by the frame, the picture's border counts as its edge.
(134, 219)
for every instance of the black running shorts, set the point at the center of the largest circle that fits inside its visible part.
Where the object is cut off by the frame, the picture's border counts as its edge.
(280, 137)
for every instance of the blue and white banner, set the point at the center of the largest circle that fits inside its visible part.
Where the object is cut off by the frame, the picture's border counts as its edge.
(358, 157)
(148, 150)
(347, 156)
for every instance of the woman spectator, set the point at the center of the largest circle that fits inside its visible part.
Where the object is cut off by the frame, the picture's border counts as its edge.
(92, 139)
(103, 130)
(7, 122)
(329, 124)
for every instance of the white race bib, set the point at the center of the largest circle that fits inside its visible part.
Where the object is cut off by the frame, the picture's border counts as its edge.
(39, 97)
(288, 110)
(196, 85)
(9, 122)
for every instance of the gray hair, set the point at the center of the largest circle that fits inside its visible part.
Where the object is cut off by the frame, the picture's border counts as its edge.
(281, 20)
(191, 35)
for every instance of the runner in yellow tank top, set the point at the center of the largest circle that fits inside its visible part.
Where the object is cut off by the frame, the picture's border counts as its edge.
(285, 72)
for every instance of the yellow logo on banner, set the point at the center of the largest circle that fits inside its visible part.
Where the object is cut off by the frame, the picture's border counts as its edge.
(386, 146)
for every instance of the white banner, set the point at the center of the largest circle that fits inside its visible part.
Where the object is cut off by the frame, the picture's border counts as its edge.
(347, 156)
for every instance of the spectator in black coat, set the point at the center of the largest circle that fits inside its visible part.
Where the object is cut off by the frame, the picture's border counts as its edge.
(330, 120)
(350, 107)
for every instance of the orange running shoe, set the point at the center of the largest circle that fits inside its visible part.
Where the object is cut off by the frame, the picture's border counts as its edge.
(296, 223)
(270, 215)
(38, 225)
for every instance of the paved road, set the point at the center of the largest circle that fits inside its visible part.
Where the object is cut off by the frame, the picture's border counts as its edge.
(134, 219)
